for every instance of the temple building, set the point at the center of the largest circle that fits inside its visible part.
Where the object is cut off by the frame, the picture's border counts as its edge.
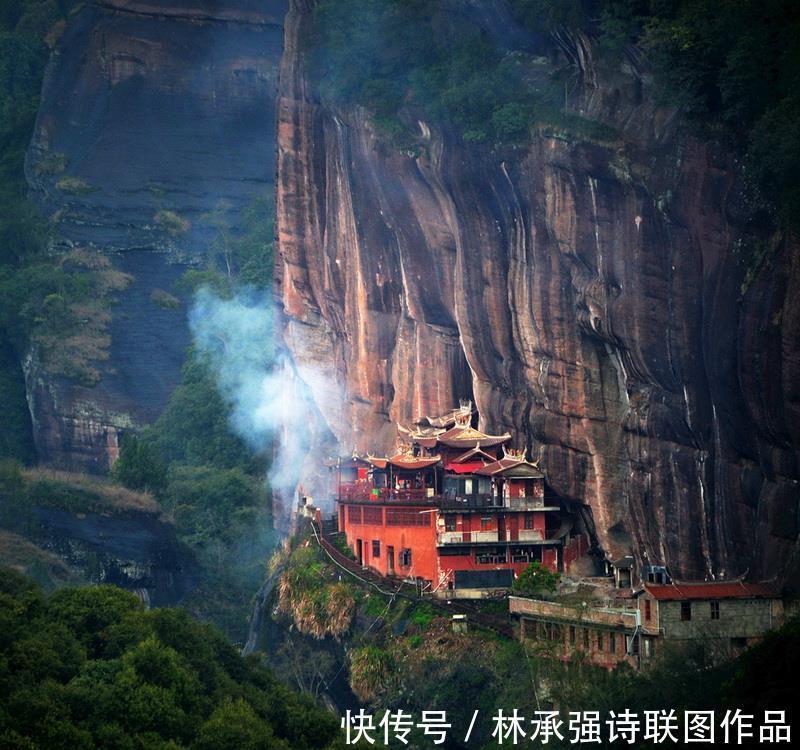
(454, 508)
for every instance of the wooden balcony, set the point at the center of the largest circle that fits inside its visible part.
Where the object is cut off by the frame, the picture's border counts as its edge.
(363, 492)
(523, 536)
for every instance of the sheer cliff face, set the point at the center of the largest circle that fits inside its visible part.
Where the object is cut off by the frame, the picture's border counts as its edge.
(158, 113)
(590, 297)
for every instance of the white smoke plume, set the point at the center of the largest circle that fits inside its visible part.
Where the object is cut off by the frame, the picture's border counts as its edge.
(269, 401)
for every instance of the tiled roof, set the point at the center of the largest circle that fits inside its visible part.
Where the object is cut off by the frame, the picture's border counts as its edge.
(474, 454)
(409, 461)
(507, 464)
(711, 590)
(464, 436)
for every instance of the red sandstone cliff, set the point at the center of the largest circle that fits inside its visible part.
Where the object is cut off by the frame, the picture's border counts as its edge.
(587, 295)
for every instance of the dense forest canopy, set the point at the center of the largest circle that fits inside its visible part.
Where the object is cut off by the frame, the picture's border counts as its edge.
(88, 667)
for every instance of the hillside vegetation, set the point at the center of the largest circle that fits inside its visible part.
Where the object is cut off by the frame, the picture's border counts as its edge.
(402, 653)
(87, 667)
(399, 58)
(212, 487)
(729, 66)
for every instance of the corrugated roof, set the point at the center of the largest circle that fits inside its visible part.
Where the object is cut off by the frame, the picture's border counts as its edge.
(711, 590)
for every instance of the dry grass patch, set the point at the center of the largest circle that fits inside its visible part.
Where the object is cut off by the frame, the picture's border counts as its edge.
(110, 495)
(74, 336)
(21, 555)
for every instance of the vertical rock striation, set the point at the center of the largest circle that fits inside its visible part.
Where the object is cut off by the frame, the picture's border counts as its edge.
(591, 297)
(154, 115)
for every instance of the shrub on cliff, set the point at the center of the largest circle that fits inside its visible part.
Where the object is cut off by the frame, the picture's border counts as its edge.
(139, 466)
(371, 670)
(309, 593)
(171, 223)
(395, 57)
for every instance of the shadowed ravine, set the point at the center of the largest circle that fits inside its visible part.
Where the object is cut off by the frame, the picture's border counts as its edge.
(259, 606)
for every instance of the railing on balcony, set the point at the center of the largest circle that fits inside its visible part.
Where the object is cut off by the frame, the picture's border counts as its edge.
(467, 502)
(455, 502)
(364, 492)
(477, 537)
(530, 535)
(461, 537)
(529, 503)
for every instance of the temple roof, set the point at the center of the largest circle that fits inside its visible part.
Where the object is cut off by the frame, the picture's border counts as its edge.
(405, 460)
(409, 461)
(460, 435)
(464, 436)
(420, 432)
(448, 419)
(474, 454)
(513, 464)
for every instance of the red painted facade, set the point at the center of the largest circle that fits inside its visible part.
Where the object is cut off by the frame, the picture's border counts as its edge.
(452, 512)
(370, 531)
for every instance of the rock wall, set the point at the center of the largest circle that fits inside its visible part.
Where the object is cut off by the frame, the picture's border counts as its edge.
(591, 297)
(134, 550)
(154, 114)
(85, 537)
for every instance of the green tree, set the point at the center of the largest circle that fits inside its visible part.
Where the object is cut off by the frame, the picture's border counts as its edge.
(90, 668)
(194, 428)
(89, 613)
(210, 503)
(234, 724)
(536, 579)
(140, 466)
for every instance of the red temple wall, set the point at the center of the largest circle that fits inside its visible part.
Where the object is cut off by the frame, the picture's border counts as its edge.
(421, 540)
(550, 558)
